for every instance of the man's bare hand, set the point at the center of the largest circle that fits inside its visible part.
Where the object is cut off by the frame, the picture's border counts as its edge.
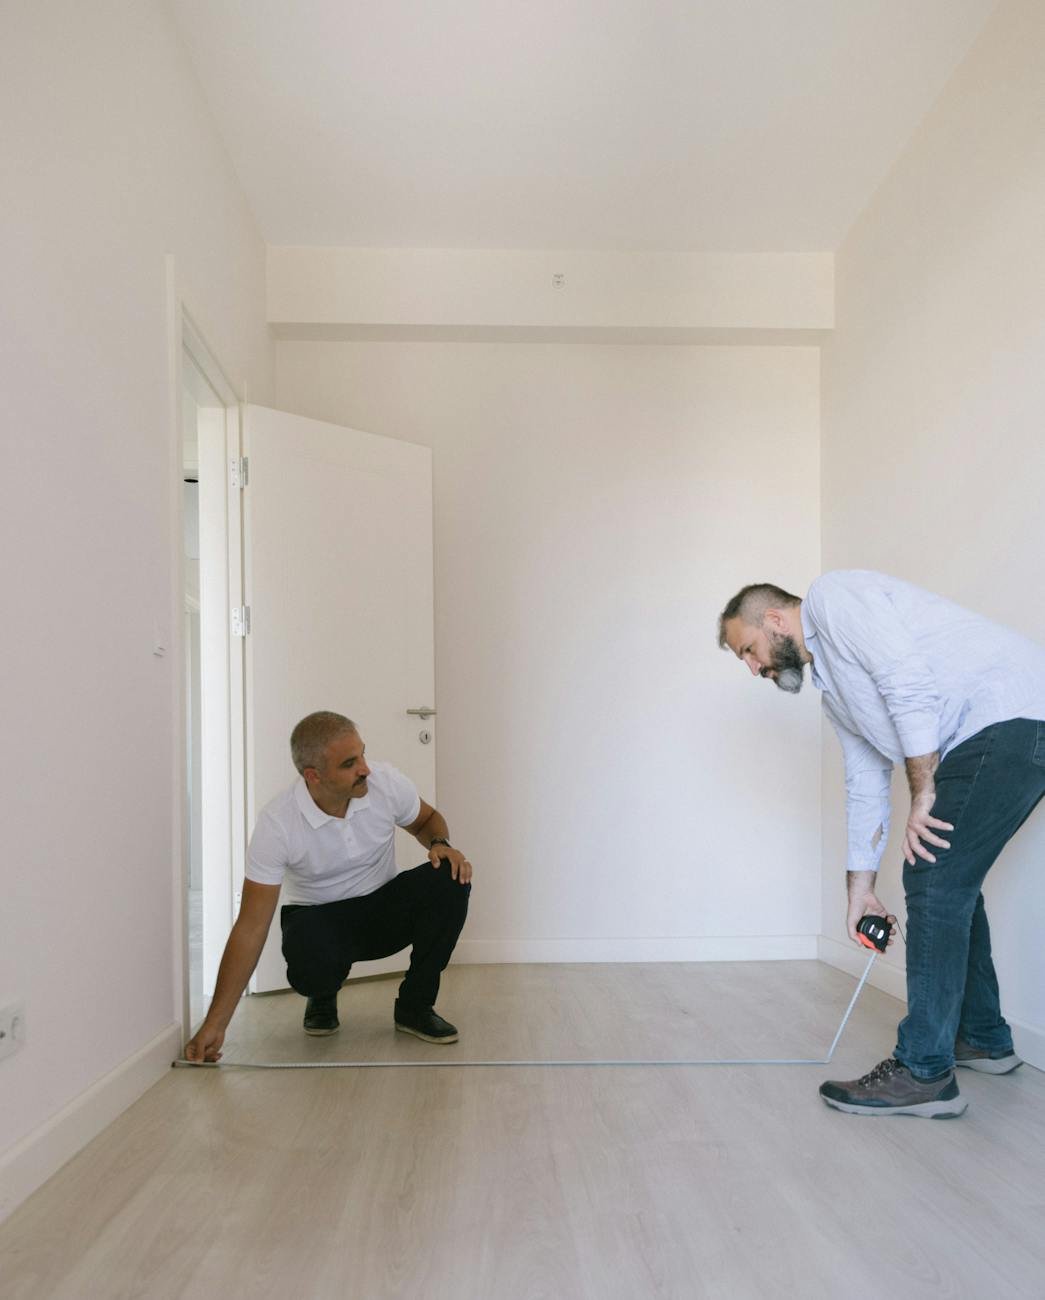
(863, 902)
(460, 867)
(205, 1045)
(921, 828)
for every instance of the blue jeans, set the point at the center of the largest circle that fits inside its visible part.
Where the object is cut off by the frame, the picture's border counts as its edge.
(986, 788)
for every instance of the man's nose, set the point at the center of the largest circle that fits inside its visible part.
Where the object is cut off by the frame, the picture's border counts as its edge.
(756, 668)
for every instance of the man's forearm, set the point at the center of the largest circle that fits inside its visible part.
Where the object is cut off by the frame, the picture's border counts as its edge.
(237, 965)
(921, 774)
(434, 828)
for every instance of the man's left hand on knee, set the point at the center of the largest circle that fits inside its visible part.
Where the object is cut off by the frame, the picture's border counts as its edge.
(459, 866)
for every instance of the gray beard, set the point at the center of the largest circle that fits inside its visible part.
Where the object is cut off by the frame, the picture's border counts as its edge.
(787, 663)
(790, 680)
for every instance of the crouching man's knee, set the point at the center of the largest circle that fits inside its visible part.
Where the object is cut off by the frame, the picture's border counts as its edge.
(443, 885)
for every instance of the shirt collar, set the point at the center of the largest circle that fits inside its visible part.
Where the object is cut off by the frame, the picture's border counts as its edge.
(314, 815)
(809, 636)
(310, 810)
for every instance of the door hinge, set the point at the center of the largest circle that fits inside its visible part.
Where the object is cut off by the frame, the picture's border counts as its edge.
(241, 620)
(239, 472)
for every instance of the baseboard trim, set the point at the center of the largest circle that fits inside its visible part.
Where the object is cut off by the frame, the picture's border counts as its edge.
(796, 947)
(38, 1156)
(1029, 1039)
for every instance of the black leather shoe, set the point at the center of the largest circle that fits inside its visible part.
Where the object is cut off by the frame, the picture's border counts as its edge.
(321, 1016)
(423, 1022)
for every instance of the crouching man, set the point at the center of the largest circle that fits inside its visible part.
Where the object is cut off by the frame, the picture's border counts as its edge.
(329, 841)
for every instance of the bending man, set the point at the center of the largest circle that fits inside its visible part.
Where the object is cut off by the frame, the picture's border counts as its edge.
(330, 842)
(907, 677)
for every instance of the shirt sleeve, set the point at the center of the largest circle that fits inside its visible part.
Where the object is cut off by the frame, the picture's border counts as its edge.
(267, 853)
(867, 779)
(406, 802)
(863, 624)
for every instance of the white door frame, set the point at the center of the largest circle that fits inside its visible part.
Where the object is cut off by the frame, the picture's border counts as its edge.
(183, 333)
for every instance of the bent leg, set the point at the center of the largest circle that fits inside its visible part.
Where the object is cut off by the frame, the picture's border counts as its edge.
(424, 908)
(315, 947)
(986, 788)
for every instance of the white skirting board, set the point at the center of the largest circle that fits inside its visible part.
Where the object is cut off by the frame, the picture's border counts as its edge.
(790, 947)
(29, 1163)
(1029, 1040)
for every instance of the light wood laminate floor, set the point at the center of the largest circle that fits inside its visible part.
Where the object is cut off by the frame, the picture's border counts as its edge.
(578, 1183)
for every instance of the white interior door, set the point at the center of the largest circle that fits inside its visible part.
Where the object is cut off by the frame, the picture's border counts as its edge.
(338, 578)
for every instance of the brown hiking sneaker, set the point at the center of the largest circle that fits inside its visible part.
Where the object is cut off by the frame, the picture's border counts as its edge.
(978, 1058)
(891, 1089)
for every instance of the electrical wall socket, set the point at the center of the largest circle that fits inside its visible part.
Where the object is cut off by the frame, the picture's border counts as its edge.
(12, 1028)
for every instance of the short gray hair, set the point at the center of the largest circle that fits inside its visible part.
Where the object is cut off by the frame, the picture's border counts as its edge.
(309, 739)
(750, 605)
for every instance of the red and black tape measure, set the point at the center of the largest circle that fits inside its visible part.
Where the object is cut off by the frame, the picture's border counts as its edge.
(874, 932)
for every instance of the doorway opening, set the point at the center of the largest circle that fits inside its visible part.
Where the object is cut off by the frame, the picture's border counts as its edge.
(213, 815)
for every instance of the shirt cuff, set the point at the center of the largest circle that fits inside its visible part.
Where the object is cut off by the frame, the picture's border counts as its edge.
(920, 737)
(865, 856)
(864, 862)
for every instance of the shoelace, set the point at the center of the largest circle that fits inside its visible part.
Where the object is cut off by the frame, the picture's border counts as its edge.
(881, 1072)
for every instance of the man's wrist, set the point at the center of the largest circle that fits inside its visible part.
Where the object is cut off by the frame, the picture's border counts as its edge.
(921, 775)
(860, 883)
(439, 839)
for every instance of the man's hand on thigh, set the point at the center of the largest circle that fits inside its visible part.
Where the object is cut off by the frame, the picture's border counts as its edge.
(921, 828)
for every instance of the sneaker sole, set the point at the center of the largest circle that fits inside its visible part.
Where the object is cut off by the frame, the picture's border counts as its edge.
(428, 1038)
(926, 1109)
(321, 1033)
(1005, 1065)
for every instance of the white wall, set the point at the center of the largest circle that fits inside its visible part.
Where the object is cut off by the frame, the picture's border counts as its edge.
(109, 162)
(934, 412)
(624, 790)
(497, 289)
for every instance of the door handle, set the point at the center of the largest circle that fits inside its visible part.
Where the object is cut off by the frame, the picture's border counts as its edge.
(421, 713)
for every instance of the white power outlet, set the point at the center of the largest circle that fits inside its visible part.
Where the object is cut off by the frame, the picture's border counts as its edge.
(12, 1028)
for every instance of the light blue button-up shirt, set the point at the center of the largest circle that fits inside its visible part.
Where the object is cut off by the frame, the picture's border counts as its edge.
(903, 673)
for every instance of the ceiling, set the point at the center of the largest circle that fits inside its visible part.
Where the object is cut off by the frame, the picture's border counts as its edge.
(675, 125)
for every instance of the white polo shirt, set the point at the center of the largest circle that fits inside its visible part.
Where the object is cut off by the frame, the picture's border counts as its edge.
(318, 858)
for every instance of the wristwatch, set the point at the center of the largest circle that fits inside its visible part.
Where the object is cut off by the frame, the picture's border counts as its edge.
(440, 840)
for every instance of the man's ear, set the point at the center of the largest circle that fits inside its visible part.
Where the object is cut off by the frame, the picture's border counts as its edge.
(774, 620)
(311, 775)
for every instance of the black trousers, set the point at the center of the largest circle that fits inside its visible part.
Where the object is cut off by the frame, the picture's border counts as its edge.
(424, 908)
